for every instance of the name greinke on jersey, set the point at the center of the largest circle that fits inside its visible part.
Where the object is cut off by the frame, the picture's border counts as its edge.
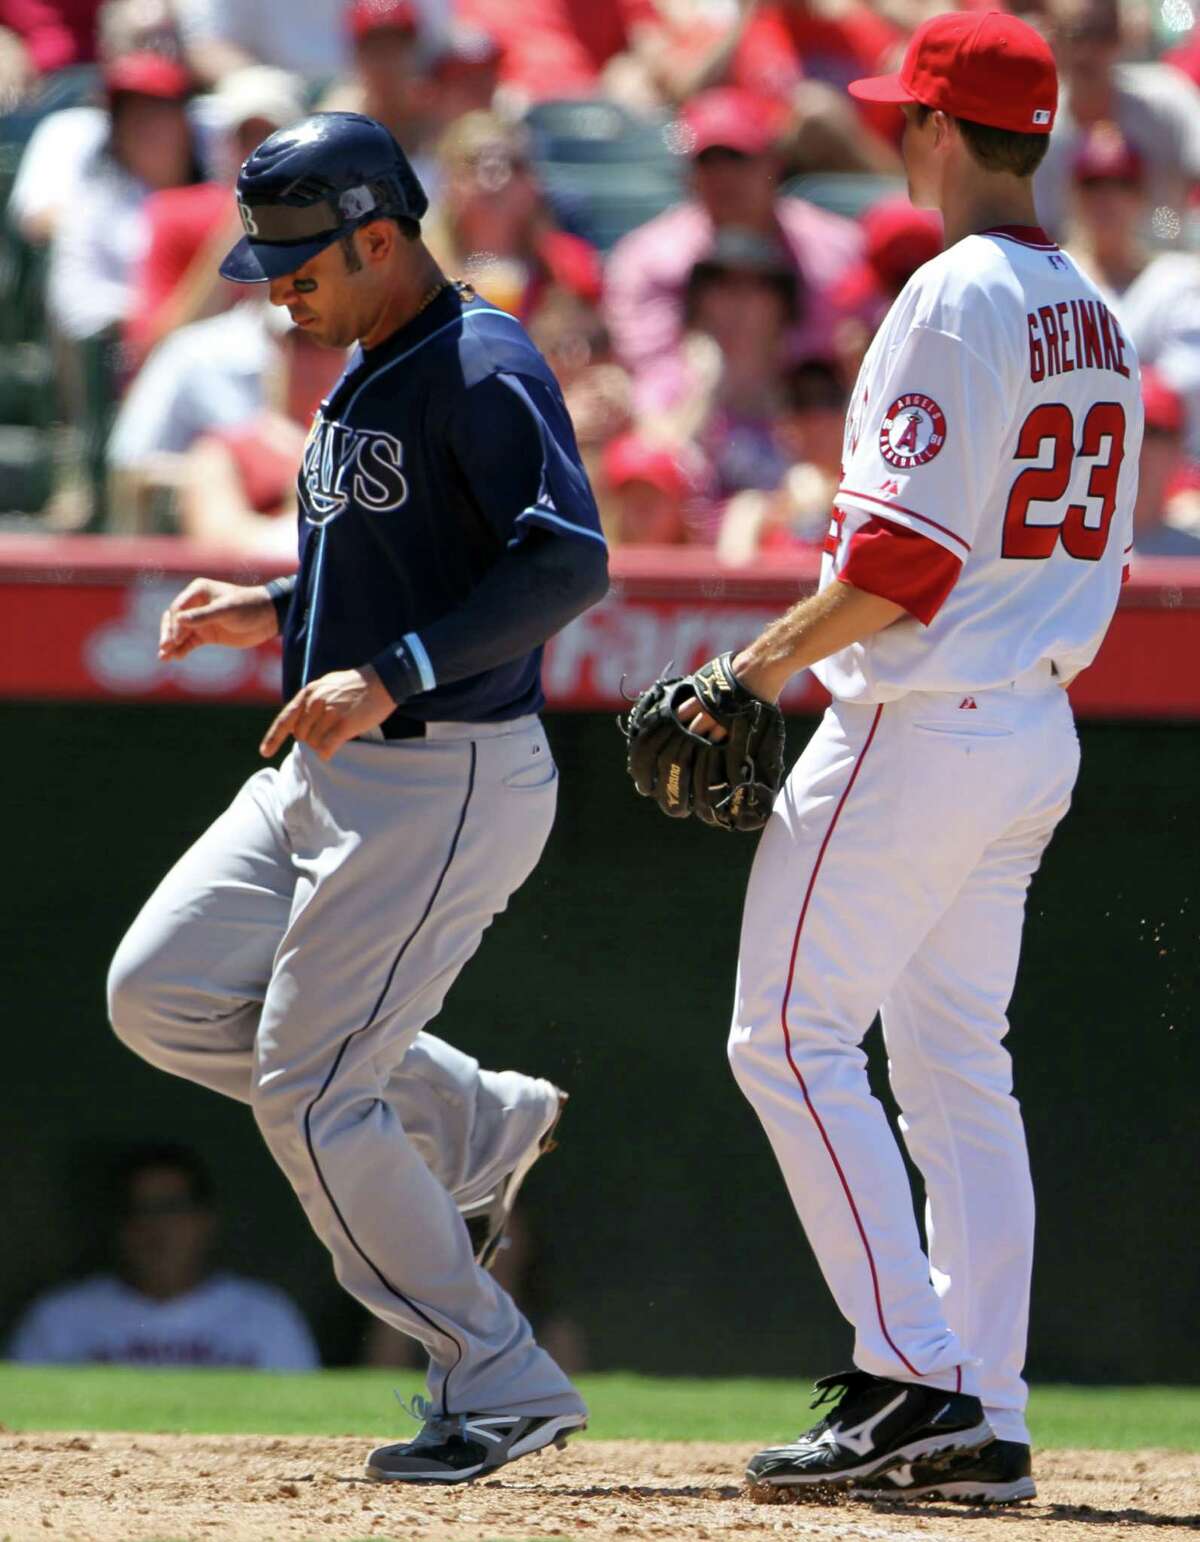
(1074, 334)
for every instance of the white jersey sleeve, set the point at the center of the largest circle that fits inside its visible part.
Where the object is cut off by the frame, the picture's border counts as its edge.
(913, 443)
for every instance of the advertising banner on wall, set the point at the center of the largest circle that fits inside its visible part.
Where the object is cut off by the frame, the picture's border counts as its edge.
(79, 619)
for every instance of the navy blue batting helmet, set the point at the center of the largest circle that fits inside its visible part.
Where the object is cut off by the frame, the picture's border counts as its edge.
(310, 184)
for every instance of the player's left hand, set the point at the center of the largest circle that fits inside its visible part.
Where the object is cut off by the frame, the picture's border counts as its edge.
(329, 712)
(702, 744)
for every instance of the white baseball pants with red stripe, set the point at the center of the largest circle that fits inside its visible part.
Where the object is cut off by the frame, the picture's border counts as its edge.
(892, 878)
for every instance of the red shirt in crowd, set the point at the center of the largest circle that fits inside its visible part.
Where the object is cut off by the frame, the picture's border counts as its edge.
(265, 460)
(555, 48)
(57, 33)
(179, 221)
(785, 44)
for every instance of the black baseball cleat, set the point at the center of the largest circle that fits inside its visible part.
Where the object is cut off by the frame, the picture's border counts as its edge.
(876, 1425)
(455, 1448)
(997, 1474)
(487, 1220)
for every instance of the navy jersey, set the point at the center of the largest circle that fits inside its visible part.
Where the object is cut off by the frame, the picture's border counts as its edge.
(433, 453)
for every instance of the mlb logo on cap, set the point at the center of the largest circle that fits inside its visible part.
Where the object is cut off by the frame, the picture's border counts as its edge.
(989, 68)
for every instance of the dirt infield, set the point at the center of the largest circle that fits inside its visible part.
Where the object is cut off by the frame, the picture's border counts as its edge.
(173, 1488)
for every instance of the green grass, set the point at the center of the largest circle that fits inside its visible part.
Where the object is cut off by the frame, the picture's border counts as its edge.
(622, 1406)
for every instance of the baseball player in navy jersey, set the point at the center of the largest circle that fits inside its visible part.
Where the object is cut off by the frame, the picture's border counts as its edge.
(977, 549)
(293, 956)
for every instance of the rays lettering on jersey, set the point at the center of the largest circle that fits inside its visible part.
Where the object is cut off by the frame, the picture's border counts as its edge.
(343, 465)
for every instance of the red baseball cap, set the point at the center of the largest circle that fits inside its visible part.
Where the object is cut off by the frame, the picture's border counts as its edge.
(147, 74)
(991, 68)
(630, 458)
(365, 16)
(732, 118)
(1105, 155)
(899, 239)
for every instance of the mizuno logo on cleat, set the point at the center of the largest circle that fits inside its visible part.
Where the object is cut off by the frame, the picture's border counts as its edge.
(860, 1437)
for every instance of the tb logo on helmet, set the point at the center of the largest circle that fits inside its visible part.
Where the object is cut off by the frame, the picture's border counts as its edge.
(249, 224)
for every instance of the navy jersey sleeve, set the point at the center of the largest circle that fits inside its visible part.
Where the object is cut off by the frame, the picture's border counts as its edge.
(512, 440)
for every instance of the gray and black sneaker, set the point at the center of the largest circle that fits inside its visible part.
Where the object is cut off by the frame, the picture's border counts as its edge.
(455, 1448)
(998, 1474)
(876, 1425)
(487, 1220)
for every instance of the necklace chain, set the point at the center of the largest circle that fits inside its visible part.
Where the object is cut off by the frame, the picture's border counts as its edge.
(466, 291)
(443, 283)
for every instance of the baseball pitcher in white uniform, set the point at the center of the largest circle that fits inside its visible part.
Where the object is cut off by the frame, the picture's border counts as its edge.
(977, 549)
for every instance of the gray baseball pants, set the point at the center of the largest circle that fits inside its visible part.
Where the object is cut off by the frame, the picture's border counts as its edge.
(291, 958)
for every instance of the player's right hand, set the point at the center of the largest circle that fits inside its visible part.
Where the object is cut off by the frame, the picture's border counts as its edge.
(210, 611)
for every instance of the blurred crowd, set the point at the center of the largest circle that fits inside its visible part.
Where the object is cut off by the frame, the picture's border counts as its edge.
(699, 226)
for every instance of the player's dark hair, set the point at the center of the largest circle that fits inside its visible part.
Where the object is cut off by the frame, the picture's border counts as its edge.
(998, 149)
(150, 1156)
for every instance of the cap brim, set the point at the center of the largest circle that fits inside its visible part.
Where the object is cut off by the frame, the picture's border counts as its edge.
(258, 262)
(881, 88)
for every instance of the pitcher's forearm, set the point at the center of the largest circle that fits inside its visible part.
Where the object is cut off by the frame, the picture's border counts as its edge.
(816, 627)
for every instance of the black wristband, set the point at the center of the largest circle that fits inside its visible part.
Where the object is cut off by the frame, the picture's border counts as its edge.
(280, 591)
(399, 671)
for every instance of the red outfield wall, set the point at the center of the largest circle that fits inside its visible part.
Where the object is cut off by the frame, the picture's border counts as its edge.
(79, 621)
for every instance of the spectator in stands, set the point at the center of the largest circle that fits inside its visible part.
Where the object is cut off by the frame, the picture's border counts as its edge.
(741, 299)
(95, 252)
(803, 54)
(492, 226)
(58, 159)
(163, 1304)
(569, 332)
(54, 169)
(237, 484)
(898, 240)
(731, 137)
(1155, 295)
(809, 430)
(190, 228)
(391, 79)
(206, 376)
(51, 35)
(789, 41)
(1157, 109)
(645, 490)
(466, 73)
(308, 38)
(566, 48)
(1167, 494)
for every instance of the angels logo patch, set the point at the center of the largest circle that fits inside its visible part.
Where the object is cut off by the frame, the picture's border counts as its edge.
(914, 430)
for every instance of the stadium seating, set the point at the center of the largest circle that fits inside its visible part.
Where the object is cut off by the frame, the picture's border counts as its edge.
(604, 169)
